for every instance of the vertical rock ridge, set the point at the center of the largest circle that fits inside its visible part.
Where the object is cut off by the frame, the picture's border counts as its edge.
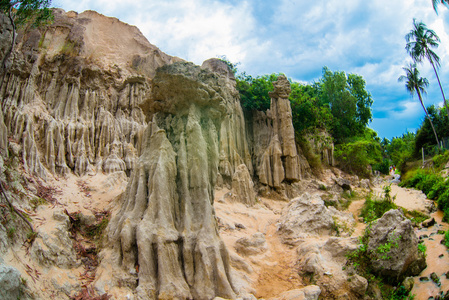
(167, 223)
(85, 111)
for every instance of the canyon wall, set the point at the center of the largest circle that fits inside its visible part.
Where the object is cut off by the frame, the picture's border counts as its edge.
(72, 90)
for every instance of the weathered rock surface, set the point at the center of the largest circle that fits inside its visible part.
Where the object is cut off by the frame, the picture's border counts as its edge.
(243, 186)
(310, 292)
(280, 158)
(53, 246)
(72, 92)
(251, 246)
(393, 245)
(166, 225)
(234, 149)
(307, 216)
(322, 261)
(9, 282)
(322, 144)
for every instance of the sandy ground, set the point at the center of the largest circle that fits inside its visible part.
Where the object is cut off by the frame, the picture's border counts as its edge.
(269, 274)
(75, 194)
(273, 271)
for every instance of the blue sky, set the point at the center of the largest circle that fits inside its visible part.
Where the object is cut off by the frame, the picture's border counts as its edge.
(298, 38)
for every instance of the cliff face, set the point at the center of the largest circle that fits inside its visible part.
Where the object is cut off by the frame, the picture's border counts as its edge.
(89, 94)
(167, 223)
(72, 92)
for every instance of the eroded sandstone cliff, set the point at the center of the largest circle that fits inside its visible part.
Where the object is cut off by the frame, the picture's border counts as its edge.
(166, 225)
(72, 91)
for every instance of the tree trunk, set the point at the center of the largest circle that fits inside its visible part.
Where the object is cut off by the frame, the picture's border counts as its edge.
(441, 88)
(427, 114)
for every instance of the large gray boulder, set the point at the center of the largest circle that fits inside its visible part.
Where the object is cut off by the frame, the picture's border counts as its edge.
(9, 282)
(322, 261)
(307, 216)
(393, 246)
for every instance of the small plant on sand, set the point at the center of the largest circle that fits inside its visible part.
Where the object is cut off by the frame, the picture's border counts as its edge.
(422, 249)
(374, 208)
(446, 238)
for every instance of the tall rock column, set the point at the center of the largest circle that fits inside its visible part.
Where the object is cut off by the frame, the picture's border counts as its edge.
(280, 161)
(166, 228)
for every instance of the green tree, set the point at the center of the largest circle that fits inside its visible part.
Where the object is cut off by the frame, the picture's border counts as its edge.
(436, 2)
(420, 41)
(307, 114)
(254, 90)
(357, 87)
(416, 84)
(401, 148)
(361, 152)
(349, 103)
(20, 12)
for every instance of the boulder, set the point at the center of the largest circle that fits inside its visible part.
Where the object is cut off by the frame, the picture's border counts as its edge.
(323, 261)
(251, 246)
(310, 292)
(9, 282)
(308, 216)
(393, 245)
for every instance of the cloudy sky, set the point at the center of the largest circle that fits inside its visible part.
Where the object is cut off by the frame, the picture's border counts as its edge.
(298, 38)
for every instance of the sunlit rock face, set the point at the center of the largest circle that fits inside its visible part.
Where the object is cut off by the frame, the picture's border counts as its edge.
(72, 90)
(166, 225)
(273, 139)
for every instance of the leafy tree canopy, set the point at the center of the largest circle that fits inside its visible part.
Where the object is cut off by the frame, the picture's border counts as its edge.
(24, 11)
(349, 102)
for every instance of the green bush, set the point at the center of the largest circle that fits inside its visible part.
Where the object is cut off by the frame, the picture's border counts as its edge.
(373, 208)
(433, 185)
(441, 160)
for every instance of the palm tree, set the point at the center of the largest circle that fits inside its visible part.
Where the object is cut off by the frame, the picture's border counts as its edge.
(436, 2)
(420, 41)
(417, 84)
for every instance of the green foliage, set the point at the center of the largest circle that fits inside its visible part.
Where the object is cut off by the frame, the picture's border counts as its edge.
(349, 103)
(383, 250)
(34, 12)
(422, 249)
(96, 231)
(313, 159)
(11, 231)
(440, 160)
(433, 185)
(374, 208)
(254, 91)
(400, 149)
(307, 112)
(356, 157)
(446, 238)
(415, 216)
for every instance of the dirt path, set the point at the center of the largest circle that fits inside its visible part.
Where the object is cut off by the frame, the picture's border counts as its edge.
(273, 271)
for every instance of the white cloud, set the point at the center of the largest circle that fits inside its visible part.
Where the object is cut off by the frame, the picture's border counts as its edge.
(296, 37)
